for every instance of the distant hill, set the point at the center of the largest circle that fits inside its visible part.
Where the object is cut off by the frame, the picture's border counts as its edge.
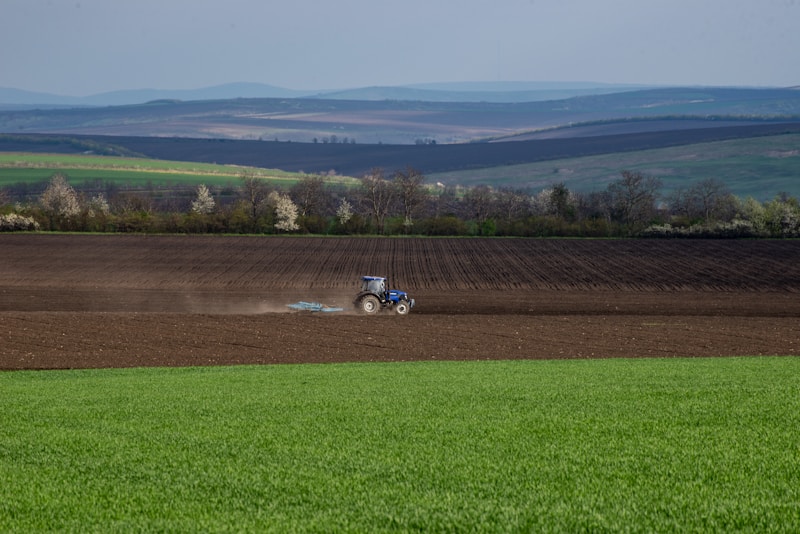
(11, 98)
(494, 92)
(412, 122)
(15, 98)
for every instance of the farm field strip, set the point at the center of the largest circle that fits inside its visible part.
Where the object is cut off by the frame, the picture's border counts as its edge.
(12, 160)
(203, 262)
(64, 340)
(17, 167)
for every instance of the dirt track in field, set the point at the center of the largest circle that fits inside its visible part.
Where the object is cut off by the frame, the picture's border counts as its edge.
(120, 301)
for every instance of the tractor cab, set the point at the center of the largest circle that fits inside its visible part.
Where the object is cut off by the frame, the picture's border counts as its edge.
(374, 284)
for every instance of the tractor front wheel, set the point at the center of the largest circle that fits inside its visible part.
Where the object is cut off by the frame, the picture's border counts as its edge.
(370, 305)
(402, 307)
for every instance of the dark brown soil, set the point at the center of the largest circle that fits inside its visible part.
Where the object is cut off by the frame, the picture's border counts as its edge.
(121, 301)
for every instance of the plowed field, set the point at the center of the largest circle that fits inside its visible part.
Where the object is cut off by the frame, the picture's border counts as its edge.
(74, 301)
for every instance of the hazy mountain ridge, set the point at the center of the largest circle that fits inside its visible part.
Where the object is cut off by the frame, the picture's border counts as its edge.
(442, 92)
(18, 97)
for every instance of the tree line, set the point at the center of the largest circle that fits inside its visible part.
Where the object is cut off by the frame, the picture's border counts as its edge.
(400, 203)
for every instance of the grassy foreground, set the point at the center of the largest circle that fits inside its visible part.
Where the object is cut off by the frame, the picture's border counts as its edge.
(640, 445)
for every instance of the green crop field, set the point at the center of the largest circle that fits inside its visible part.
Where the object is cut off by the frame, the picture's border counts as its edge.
(760, 167)
(31, 168)
(562, 446)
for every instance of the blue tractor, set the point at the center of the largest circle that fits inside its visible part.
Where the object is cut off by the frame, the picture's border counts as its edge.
(374, 297)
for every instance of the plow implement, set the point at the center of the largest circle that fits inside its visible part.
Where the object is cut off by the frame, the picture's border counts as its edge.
(313, 307)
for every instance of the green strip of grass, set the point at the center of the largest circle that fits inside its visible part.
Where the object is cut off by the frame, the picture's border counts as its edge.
(130, 178)
(640, 445)
(31, 168)
(88, 160)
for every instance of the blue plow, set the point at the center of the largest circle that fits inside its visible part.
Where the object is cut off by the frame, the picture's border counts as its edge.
(313, 307)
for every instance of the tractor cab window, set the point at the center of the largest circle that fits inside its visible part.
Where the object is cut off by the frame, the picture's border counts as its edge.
(373, 286)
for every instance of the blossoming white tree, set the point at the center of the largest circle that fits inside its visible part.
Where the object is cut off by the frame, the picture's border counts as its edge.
(98, 206)
(59, 199)
(204, 202)
(344, 212)
(286, 212)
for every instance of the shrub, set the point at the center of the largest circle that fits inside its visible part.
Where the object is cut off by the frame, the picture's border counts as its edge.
(735, 228)
(13, 222)
(448, 225)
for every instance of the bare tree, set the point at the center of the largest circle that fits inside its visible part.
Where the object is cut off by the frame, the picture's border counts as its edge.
(442, 201)
(377, 195)
(254, 192)
(129, 202)
(594, 205)
(410, 193)
(678, 202)
(709, 199)
(307, 194)
(632, 198)
(479, 201)
(511, 204)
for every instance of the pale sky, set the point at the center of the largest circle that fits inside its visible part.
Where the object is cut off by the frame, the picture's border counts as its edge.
(84, 47)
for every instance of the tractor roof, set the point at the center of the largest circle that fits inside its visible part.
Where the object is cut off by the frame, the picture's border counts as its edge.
(373, 278)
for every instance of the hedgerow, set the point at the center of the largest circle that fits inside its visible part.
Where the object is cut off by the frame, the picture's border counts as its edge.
(630, 207)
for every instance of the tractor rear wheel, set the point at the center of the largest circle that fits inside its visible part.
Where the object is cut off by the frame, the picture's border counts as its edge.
(402, 307)
(370, 305)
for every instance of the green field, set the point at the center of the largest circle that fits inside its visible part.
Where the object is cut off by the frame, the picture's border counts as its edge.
(760, 167)
(135, 172)
(562, 446)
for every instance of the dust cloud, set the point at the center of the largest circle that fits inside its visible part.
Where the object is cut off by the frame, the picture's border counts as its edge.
(221, 303)
(217, 302)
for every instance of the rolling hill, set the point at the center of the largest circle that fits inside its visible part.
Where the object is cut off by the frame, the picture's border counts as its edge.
(403, 121)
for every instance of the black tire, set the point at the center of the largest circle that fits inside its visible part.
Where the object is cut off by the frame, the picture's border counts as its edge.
(402, 307)
(370, 305)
